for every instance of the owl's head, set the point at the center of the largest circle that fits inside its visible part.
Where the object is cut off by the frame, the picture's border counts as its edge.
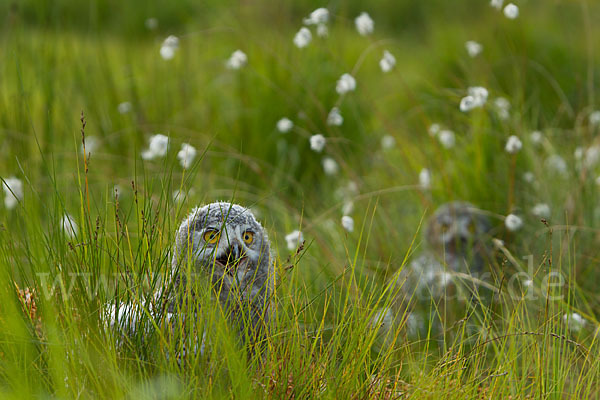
(457, 232)
(226, 243)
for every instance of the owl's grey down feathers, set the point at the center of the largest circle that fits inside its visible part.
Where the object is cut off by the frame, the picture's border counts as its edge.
(457, 233)
(456, 238)
(222, 244)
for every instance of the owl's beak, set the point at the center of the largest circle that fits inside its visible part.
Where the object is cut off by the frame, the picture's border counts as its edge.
(232, 257)
(233, 253)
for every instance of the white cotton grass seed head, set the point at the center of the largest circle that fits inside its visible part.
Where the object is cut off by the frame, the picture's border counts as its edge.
(345, 84)
(388, 142)
(575, 321)
(293, 239)
(591, 156)
(479, 93)
(69, 226)
(595, 118)
(348, 207)
(169, 47)
(92, 144)
(151, 23)
(237, 60)
(497, 4)
(502, 103)
(117, 191)
(284, 125)
(473, 48)
(159, 144)
(425, 179)
(347, 191)
(178, 196)
(467, 103)
(158, 147)
(352, 188)
(556, 164)
(529, 177)
(476, 98)
(536, 137)
(186, 155)
(322, 30)
(364, 24)
(317, 17)
(387, 62)
(513, 145)
(302, 38)
(502, 107)
(330, 166)
(511, 11)
(513, 222)
(124, 107)
(335, 117)
(13, 192)
(541, 210)
(447, 138)
(503, 114)
(348, 223)
(317, 142)
(434, 129)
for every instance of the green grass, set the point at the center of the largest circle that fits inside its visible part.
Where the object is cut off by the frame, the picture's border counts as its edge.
(59, 59)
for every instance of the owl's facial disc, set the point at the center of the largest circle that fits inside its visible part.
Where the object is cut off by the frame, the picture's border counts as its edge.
(456, 235)
(229, 249)
(457, 245)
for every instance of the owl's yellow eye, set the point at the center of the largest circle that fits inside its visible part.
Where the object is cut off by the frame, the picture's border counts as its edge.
(211, 236)
(248, 237)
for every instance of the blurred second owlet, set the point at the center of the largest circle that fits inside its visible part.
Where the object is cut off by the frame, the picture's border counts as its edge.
(456, 237)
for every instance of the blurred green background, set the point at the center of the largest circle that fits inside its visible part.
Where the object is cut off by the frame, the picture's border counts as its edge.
(63, 57)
